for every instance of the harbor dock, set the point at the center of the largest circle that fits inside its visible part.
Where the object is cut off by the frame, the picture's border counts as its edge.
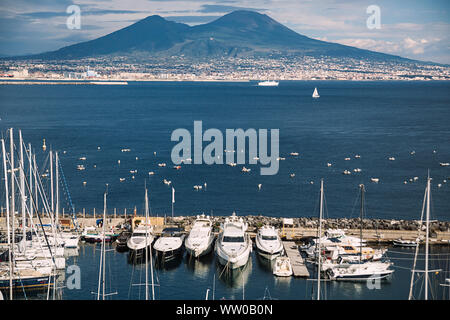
(298, 266)
(299, 232)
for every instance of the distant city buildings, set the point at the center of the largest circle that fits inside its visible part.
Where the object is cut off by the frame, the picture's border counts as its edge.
(226, 68)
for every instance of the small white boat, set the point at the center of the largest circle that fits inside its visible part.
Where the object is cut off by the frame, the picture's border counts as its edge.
(347, 172)
(282, 267)
(201, 237)
(268, 242)
(444, 164)
(80, 167)
(161, 164)
(233, 246)
(315, 93)
(391, 158)
(376, 180)
(244, 169)
(357, 170)
(294, 154)
(268, 84)
(170, 244)
(125, 150)
(405, 243)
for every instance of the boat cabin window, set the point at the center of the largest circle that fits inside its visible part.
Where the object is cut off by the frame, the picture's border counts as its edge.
(269, 237)
(233, 239)
(140, 234)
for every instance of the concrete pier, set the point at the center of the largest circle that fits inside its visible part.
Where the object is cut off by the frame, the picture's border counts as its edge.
(298, 266)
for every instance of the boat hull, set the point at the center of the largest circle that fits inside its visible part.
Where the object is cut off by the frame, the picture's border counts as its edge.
(27, 283)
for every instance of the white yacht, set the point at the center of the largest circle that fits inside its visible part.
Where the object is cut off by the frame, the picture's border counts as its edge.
(268, 242)
(137, 242)
(201, 237)
(333, 238)
(282, 267)
(170, 244)
(268, 83)
(360, 271)
(233, 245)
(315, 93)
(405, 243)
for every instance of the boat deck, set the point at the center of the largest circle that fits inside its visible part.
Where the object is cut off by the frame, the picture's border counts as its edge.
(297, 263)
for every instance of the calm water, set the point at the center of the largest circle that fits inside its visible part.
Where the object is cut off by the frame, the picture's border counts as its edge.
(190, 279)
(373, 119)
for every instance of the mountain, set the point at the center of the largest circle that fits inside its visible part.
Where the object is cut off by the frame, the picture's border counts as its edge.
(240, 33)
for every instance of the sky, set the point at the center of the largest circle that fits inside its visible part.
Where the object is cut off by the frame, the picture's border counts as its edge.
(417, 29)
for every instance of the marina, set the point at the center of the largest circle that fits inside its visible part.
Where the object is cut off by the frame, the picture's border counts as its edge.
(224, 229)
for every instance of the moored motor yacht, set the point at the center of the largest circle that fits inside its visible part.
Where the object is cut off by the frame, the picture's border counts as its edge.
(268, 242)
(360, 271)
(170, 244)
(141, 238)
(201, 237)
(233, 245)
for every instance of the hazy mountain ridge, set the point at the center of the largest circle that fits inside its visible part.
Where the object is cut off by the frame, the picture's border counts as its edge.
(240, 33)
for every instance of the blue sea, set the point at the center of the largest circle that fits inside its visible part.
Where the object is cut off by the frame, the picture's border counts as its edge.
(376, 120)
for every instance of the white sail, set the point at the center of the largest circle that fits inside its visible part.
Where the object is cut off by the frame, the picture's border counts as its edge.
(315, 93)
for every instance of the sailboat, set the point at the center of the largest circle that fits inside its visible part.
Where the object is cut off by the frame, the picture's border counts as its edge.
(426, 206)
(315, 93)
(360, 271)
(102, 267)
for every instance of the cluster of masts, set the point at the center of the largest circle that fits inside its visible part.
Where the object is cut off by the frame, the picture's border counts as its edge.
(23, 183)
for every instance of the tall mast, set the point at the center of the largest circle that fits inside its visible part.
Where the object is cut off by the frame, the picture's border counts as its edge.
(103, 240)
(426, 243)
(22, 185)
(146, 245)
(361, 223)
(13, 208)
(320, 235)
(51, 183)
(30, 164)
(5, 170)
(36, 181)
(57, 188)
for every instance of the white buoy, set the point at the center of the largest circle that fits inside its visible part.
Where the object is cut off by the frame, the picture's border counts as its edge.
(259, 186)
